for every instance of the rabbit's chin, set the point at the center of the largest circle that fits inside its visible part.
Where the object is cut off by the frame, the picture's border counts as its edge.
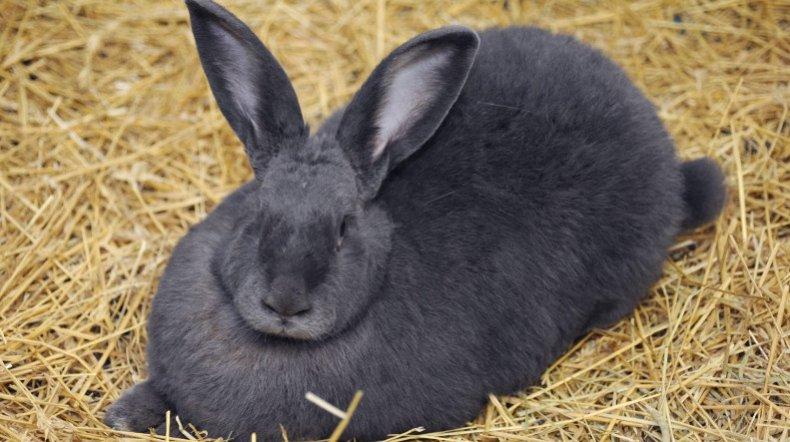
(316, 324)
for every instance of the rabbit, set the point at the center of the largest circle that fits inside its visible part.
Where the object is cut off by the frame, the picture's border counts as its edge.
(482, 201)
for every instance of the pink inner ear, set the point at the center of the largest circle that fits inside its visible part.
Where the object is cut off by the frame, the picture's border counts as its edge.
(237, 70)
(410, 88)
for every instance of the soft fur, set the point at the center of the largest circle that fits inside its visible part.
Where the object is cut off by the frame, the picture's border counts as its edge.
(428, 251)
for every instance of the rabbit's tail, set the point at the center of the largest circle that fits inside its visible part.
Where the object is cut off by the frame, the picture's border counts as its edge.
(703, 192)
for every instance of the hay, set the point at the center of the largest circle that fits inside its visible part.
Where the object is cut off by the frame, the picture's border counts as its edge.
(111, 146)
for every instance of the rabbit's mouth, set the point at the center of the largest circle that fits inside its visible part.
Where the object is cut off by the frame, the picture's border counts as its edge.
(288, 330)
(309, 326)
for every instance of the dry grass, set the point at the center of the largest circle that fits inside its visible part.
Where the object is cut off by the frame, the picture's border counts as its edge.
(111, 146)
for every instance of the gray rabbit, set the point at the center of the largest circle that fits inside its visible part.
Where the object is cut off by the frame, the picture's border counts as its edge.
(483, 201)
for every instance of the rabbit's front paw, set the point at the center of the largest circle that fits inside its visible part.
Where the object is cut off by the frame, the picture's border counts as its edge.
(138, 409)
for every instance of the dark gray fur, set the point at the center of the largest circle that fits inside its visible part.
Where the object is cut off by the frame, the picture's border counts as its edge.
(530, 196)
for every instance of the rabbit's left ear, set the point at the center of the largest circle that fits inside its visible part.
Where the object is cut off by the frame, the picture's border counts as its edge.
(250, 86)
(405, 100)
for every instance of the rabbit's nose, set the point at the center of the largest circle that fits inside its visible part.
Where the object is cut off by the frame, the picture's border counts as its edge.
(287, 304)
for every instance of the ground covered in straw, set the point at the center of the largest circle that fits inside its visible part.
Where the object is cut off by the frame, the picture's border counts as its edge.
(111, 146)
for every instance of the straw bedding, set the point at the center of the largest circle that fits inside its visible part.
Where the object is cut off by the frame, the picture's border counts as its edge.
(111, 146)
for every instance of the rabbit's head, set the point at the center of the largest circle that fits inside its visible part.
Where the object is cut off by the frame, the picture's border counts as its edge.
(306, 259)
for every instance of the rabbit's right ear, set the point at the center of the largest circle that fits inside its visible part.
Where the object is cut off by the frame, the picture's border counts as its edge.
(250, 86)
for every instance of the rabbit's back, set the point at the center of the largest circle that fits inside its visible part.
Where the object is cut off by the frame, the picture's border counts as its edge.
(543, 206)
(551, 163)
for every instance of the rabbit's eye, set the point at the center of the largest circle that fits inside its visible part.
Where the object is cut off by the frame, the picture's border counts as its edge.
(342, 231)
